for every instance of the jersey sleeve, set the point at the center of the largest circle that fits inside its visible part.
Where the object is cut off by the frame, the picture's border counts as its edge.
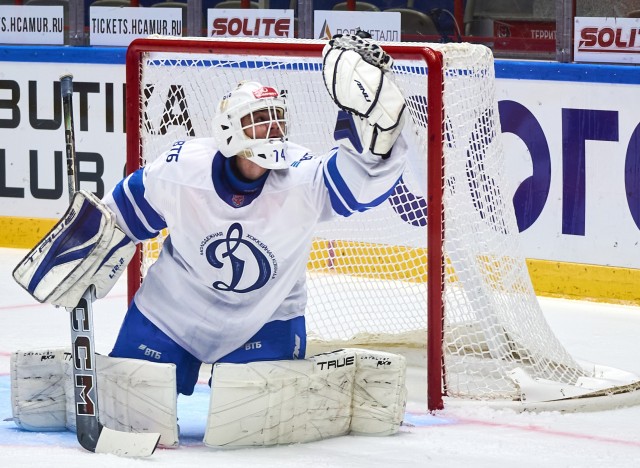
(357, 182)
(135, 216)
(145, 201)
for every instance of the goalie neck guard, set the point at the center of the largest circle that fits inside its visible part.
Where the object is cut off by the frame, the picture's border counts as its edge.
(236, 136)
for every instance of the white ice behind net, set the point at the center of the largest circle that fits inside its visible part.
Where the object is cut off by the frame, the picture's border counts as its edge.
(367, 273)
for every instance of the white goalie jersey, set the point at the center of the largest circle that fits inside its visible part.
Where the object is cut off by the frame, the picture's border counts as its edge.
(237, 251)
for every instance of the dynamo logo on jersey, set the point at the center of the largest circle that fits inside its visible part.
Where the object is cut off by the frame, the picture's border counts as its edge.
(245, 263)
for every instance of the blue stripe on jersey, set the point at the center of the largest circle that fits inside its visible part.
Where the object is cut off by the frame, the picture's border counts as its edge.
(136, 187)
(127, 207)
(331, 173)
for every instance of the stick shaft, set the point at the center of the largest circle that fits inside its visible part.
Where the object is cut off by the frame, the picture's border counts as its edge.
(89, 430)
(85, 378)
(66, 89)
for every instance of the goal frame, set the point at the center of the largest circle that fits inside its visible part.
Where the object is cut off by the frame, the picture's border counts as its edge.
(435, 168)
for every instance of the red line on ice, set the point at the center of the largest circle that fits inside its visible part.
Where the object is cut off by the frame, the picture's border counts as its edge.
(542, 430)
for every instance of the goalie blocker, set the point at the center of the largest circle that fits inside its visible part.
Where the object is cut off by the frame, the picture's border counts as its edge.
(254, 404)
(84, 248)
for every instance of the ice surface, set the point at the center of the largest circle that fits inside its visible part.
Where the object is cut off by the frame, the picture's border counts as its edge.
(456, 437)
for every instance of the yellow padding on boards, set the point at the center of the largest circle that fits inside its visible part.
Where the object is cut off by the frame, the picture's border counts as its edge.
(582, 281)
(23, 233)
(549, 278)
(368, 260)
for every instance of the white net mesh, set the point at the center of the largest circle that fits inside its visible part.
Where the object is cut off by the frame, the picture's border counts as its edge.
(367, 274)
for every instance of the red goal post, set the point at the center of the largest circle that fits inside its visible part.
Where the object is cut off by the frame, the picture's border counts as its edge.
(304, 49)
(450, 219)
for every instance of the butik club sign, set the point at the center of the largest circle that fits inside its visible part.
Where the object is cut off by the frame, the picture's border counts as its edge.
(250, 23)
(606, 40)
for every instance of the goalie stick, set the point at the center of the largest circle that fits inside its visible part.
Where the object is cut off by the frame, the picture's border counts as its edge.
(92, 435)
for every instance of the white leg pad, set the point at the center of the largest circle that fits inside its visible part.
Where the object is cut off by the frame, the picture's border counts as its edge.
(281, 402)
(38, 399)
(133, 395)
(379, 393)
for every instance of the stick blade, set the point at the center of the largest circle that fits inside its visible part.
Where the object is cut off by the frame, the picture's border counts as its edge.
(127, 444)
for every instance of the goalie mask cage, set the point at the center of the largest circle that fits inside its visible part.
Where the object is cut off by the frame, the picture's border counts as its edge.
(437, 266)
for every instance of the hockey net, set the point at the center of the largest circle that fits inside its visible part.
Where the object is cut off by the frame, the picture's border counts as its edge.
(440, 259)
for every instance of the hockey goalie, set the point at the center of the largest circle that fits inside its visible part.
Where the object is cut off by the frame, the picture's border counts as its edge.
(228, 287)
